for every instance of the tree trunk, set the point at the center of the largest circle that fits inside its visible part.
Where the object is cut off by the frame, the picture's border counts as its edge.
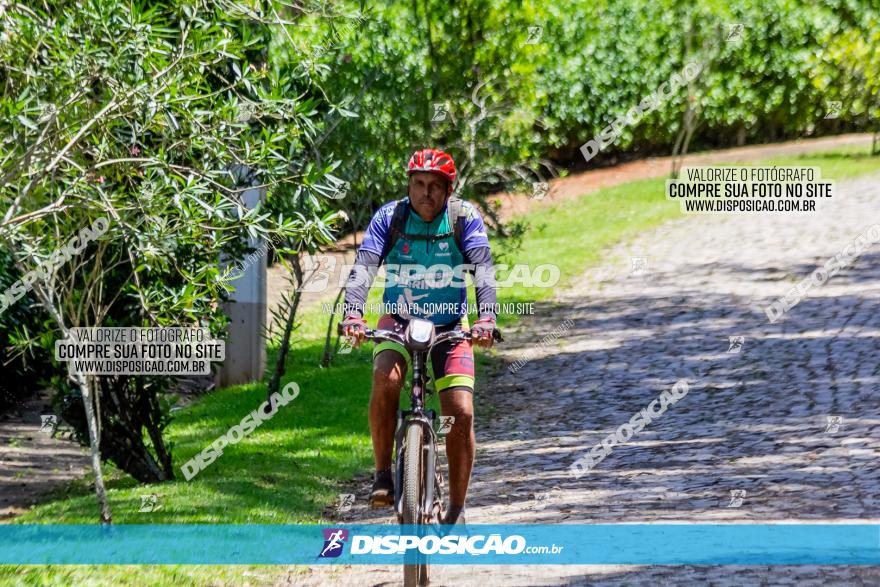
(86, 388)
(683, 140)
(690, 127)
(154, 429)
(431, 51)
(275, 382)
(679, 140)
(123, 432)
(127, 407)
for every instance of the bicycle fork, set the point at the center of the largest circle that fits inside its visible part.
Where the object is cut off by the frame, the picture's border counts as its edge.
(425, 419)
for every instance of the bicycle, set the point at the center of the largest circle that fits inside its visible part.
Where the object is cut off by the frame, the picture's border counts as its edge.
(418, 482)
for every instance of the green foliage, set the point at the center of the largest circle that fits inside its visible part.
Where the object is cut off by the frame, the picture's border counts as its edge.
(513, 101)
(156, 116)
(772, 82)
(108, 103)
(385, 70)
(850, 69)
(24, 366)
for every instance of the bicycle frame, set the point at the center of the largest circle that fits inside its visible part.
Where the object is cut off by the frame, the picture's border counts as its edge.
(423, 337)
(417, 415)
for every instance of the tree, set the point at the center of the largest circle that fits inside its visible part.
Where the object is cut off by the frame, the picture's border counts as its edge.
(137, 115)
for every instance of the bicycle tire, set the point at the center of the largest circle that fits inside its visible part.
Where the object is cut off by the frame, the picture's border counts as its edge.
(414, 574)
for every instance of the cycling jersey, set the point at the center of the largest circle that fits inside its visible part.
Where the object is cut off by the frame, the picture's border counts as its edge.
(424, 268)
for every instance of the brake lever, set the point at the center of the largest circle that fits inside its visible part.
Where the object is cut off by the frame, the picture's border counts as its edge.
(496, 336)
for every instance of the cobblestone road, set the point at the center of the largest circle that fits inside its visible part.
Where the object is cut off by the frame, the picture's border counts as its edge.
(790, 423)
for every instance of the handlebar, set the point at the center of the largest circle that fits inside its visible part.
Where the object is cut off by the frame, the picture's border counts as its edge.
(398, 338)
(390, 335)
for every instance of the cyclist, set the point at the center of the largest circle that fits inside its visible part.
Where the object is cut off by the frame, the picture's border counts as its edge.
(424, 230)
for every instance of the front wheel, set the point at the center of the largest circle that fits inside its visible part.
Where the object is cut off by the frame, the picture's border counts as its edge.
(415, 571)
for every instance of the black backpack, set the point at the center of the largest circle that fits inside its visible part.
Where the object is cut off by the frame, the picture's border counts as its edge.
(454, 213)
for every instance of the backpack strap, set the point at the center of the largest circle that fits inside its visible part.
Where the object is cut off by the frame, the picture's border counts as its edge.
(454, 212)
(456, 216)
(397, 228)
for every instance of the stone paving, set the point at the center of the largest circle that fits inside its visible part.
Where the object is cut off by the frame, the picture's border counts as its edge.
(790, 423)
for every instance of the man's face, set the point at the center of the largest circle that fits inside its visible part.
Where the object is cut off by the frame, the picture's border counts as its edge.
(427, 194)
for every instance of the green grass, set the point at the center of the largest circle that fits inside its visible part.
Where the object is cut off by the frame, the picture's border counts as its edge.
(292, 460)
(292, 467)
(840, 164)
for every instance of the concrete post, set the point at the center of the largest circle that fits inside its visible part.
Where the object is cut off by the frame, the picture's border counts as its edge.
(245, 346)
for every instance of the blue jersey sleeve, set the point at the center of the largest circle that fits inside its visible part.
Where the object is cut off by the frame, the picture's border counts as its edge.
(377, 232)
(474, 233)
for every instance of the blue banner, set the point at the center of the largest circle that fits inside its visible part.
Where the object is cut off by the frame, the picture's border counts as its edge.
(625, 544)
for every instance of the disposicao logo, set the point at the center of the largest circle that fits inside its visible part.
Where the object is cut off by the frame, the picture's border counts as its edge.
(472, 545)
(334, 539)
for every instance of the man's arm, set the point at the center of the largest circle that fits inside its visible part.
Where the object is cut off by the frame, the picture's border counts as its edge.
(367, 261)
(366, 265)
(484, 280)
(476, 251)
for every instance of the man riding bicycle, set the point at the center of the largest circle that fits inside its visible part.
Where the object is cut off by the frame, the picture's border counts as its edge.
(425, 230)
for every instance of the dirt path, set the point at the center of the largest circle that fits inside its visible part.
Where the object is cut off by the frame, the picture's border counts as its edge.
(785, 429)
(570, 187)
(32, 461)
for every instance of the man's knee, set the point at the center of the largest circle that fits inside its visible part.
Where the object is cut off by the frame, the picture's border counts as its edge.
(459, 404)
(464, 421)
(389, 371)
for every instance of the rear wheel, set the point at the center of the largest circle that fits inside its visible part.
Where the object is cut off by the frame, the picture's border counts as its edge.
(415, 570)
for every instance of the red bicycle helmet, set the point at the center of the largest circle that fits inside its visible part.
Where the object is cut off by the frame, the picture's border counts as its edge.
(433, 161)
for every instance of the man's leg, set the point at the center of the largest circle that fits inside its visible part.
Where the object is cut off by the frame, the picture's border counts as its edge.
(460, 445)
(389, 372)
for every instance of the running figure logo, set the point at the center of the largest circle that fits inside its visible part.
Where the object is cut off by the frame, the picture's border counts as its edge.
(446, 423)
(736, 344)
(48, 423)
(639, 265)
(334, 539)
(834, 423)
(737, 496)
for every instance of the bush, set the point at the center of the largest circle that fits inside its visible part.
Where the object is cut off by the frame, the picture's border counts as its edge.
(155, 117)
(25, 370)
(593, 60)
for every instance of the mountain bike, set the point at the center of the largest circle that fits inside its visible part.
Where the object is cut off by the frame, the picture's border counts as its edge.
(418, 486)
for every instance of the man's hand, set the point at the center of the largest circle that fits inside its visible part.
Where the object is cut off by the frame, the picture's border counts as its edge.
(483, 331)
(354, 328)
